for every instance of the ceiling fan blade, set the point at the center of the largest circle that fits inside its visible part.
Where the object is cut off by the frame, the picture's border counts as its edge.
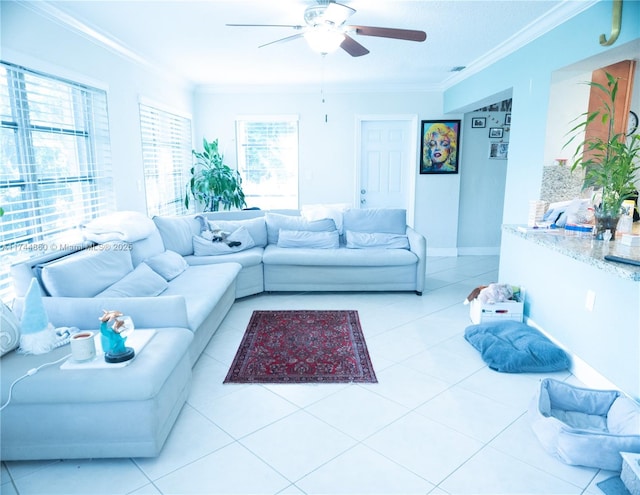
(352, 47)
(283, 40)
(267, 25)
(399, 34)
(337, 13)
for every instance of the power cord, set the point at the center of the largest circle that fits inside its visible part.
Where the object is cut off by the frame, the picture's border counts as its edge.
(29, 373)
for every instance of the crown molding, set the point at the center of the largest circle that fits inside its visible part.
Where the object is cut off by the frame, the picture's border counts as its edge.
(552, 19)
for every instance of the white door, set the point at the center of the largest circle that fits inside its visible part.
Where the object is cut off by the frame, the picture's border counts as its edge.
(387, 162)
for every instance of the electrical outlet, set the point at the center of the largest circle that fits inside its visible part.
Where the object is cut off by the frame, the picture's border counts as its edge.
(590, 300)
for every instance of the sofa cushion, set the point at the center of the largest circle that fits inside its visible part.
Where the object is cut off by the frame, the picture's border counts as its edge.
(249, 257)
(306, 239)
(277, 221)
(388, 220)
(87, 272)
(141, 282)
(168, 264)
(145, 248)
(362, 240)
(177, 232)
(205, 247)
(274, 255)
(9, 330)
(255, 226)
(334, 211)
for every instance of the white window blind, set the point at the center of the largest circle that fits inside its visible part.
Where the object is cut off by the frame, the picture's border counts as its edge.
(55, 163)
(166, 153)
(267, 150)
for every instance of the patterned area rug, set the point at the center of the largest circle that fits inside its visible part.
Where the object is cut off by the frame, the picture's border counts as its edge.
(302, 347)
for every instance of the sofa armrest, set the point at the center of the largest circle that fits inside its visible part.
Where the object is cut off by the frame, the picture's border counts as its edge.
(418, 245)
(84, 312)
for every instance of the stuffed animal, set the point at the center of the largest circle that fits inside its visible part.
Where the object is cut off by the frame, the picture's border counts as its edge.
(214, 235)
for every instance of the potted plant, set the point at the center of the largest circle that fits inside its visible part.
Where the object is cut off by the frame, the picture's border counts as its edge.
(610, 163)
(213, 184)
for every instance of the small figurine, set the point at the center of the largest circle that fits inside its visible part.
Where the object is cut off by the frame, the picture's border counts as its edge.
(113, 338)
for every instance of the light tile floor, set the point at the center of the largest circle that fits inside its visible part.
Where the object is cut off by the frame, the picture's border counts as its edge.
(438, 422)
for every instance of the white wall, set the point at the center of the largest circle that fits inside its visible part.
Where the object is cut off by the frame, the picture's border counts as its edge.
(40, 43)
(328, 149)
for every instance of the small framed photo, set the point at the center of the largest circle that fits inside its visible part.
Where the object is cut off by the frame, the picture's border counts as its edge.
(507, 119)
(499, 151)
(478, 122)
(496, 132)
(440, 143)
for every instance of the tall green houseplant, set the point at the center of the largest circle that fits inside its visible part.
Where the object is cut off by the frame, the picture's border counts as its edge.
(213, 184)
(610, 164)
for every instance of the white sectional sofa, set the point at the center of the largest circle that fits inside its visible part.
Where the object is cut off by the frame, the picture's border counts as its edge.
(168, 281)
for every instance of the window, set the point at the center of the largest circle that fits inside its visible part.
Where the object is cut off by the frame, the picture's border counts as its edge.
(55, 164)
(268, 161)
(166, 155)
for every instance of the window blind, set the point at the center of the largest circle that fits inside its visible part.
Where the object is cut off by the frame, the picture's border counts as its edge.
(267, 150)
(55, 163)
(166, 153)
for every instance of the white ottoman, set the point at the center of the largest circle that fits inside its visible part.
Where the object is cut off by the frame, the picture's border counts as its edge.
(91, 413)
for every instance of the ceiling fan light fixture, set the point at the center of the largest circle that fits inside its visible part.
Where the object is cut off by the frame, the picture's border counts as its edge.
(324, 40)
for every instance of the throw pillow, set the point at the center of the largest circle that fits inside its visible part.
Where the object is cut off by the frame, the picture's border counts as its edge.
(277, 221)
(306, 239)
(318, 212)
(141, 282)
(205, 247)
(9, 330)
(168, 264)
(363, 240)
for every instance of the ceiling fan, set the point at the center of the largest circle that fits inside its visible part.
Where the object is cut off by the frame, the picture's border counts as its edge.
(325, 30)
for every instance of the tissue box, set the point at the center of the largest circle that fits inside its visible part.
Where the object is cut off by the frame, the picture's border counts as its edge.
(630, 240)
(508, 310)
(630, 474)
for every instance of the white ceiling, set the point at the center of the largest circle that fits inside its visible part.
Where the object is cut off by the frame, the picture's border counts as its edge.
(190, 39)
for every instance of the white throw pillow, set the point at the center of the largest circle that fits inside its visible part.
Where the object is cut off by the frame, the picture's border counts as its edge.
(176, 232)
(361, 240)
(141, 282)
(205, 247)
(306, 239)
(168, 264)
(9, 330)
(255, 226)
(318, 212)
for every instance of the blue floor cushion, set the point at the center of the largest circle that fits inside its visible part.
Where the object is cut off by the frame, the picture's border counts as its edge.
(585, 427)
(514, 347)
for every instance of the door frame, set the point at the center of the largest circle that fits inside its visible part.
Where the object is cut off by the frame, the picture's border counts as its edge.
(410, 169)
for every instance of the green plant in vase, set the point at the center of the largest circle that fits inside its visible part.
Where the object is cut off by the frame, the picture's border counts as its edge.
(609, 164)
(213, 184)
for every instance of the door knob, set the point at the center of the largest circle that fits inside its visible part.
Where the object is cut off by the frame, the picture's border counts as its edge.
(363, 191)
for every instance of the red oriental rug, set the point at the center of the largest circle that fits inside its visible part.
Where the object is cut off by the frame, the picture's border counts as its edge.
(302, 347)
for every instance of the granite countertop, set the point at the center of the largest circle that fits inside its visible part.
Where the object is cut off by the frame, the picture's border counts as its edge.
(586, 250)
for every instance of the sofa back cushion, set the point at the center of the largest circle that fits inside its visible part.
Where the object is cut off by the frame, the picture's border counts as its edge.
(177, 232)
(277, 221)
(146, 248)
(372, 220)
(255, 226)
(87, 272)
(141, 282)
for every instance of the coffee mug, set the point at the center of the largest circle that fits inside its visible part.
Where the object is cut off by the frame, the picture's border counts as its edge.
(83, 346)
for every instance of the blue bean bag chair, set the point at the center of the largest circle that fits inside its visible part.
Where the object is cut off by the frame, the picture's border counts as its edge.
(585, 427)
(514, 347)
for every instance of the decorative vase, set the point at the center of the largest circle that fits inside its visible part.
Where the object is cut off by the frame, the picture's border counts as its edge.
(604, 222)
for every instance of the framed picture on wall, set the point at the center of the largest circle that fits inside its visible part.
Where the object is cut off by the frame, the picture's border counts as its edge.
(499, 151)
(440, 144)
(478, 122)
(496, 132)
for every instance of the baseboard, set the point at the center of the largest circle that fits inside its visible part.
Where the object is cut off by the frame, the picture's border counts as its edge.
(579, 368)
(478, 251)
(442, 251)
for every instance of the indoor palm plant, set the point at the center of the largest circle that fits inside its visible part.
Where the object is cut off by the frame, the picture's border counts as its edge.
(609, 164)
(213, 184)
